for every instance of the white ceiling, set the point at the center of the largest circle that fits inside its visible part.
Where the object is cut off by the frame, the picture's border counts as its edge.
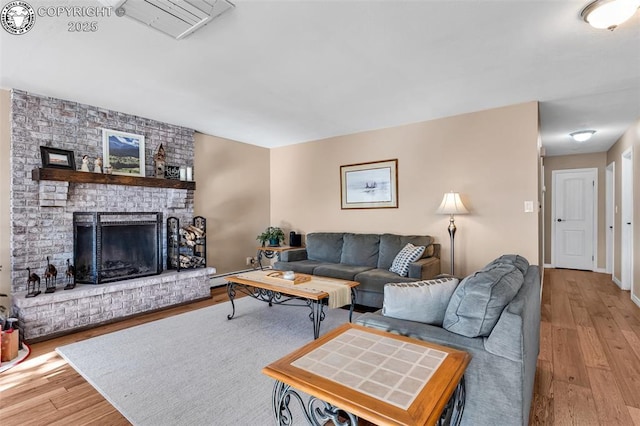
(273, 73)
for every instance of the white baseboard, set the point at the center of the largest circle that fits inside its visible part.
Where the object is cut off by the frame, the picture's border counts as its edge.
(599, 270)
(616, 281)
(635, 300)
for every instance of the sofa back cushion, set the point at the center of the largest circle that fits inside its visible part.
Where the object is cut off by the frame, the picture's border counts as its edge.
(477, 303)
(512, 259)
(360, 249)
(391, 244)
(325, 246)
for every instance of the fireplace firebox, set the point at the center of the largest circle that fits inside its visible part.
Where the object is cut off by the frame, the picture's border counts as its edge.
(111, 246)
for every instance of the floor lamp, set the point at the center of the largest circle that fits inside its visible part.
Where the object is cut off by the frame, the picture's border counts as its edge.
(452, 205)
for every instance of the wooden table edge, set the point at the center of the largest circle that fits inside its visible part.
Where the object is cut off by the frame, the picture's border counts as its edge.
(401, 417)
(288, 290)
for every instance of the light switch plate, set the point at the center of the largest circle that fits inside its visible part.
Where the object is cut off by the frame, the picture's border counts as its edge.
(528, 206)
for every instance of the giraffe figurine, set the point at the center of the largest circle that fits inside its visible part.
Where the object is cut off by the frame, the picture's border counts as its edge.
(50, 277)
(32, 281)
(70, 273)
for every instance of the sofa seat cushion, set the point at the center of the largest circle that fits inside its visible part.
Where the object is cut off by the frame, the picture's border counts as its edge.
(375, 279)
(340, 271)
(391, 244)
(407, 255)
(360, 249)
(325, 246)
(302, 266)
(478, 302)
(422, 301)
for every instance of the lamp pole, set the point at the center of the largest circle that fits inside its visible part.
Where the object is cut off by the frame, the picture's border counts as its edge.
(452, 205)
(452, 234)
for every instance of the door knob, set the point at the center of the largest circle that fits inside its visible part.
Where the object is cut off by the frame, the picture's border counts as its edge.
(628, 223)
(559, 220)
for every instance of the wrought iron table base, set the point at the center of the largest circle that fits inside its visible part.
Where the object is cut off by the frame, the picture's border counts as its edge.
(316, 315)
(318, 412)
(269, 254)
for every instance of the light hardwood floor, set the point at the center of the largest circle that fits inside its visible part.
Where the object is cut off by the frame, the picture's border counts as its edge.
(588, 369)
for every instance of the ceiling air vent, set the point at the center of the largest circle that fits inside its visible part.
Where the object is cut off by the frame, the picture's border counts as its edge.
(178, 18)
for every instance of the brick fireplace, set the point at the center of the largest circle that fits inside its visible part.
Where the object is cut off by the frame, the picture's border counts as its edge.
(42, 214)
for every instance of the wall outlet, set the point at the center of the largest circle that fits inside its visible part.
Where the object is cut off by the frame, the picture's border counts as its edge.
(249, 260)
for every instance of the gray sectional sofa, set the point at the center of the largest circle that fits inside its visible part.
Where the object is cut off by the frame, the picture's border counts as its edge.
(365, 258)
(500, 377)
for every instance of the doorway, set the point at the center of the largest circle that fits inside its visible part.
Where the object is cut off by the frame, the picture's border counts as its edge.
(626, 225)
(573, 218)
(609, 216)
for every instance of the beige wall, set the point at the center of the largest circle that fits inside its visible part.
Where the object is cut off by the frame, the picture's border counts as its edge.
(5, 183)
(232, 192)
(631, 139)
(581, 161)
(490, 157)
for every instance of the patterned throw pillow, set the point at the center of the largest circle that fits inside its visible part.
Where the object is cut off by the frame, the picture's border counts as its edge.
(421, 301)
(407, 255)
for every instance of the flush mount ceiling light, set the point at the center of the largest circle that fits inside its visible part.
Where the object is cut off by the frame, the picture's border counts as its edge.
(609, 14)
(582, 135)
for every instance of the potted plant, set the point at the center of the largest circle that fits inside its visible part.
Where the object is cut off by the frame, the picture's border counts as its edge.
(272, 235)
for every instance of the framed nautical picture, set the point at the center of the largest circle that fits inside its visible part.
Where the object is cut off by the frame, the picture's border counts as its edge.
(124, 152)
(369, 185)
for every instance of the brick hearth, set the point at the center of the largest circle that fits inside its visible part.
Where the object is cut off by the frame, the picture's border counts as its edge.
(64, 310)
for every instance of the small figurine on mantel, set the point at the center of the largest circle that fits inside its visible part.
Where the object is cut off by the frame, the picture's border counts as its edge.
(159, 159)
(85, 163)
(97, 165)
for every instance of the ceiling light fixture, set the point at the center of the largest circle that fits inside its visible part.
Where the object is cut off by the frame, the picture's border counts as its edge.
(609, 14)
(582, 135)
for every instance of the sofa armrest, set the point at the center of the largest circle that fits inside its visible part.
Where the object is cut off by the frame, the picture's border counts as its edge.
(293, 255)
(425, 268)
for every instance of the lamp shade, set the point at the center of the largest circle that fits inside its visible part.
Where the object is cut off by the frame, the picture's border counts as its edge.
(452, 204)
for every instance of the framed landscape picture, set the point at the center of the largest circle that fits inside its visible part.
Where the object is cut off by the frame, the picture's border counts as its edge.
(124, 152)
(369, 185)
(57, 158)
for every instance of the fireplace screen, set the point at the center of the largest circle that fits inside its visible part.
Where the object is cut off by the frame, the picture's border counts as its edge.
(116, 246)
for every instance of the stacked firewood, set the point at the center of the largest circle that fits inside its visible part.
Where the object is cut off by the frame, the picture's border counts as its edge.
(191, 261)
(191, 234)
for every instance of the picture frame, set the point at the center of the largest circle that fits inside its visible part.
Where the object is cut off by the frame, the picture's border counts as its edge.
(172, 172)
(57, 158)
(124, 152)
(372, 185)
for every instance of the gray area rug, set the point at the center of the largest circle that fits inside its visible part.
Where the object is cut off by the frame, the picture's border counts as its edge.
(197, 368)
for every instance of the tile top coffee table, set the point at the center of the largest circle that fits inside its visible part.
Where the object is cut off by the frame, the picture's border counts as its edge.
(357, 372)
(314, 292)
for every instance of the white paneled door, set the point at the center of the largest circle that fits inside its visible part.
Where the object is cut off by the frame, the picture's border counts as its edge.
(574, 218)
